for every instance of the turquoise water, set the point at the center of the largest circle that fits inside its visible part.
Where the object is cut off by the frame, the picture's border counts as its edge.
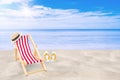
(67, 38)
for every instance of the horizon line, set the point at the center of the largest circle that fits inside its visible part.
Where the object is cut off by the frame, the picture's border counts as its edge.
(60, 29)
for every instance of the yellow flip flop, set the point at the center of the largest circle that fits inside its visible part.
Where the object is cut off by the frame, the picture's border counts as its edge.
(53, 56)
(46, 56)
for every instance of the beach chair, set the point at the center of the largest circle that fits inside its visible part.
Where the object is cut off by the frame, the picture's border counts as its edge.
(25, 54)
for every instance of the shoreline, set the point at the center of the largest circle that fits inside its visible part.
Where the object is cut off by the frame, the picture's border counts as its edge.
(70, 49)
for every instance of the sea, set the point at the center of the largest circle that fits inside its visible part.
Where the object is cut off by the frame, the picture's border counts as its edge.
(52, 39)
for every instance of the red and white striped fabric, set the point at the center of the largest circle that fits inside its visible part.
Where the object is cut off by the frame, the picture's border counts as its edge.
(25, 51)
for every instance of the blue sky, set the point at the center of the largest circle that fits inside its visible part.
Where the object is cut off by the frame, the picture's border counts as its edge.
(57, 14)
(82, 5)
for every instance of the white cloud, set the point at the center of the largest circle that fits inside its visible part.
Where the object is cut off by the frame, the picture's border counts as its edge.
(2, 2)
(38, 16)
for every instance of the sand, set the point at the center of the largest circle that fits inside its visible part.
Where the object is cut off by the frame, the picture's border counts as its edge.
(70, 65)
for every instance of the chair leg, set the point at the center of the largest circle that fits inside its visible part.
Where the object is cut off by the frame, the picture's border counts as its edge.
(24, 69)
(43, 65)
(15, 54)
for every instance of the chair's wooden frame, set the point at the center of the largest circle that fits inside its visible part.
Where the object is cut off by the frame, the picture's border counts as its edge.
(24, 64)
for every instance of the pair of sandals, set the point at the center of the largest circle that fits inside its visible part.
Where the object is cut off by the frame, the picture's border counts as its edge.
(49, 57)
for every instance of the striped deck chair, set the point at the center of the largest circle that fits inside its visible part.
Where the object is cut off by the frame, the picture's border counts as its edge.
(26, 56)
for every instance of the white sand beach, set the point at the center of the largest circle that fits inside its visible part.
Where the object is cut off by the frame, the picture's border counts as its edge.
(70, 65)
